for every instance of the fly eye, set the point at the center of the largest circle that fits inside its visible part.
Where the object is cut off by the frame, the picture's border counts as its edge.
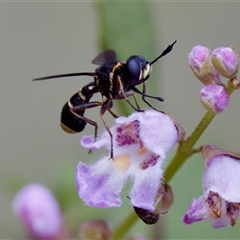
(133, 70)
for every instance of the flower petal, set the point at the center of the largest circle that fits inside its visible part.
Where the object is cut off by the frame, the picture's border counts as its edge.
(222, 176)
(158, 132)
(89, 143)
(197, 211)
(146, 184)
(221, 222)
(99, 185)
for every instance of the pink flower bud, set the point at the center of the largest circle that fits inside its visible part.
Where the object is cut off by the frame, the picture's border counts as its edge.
(38, 210)
(200, 62)
(167, 198)
(95, 230)
(214, 97)
(225, 60)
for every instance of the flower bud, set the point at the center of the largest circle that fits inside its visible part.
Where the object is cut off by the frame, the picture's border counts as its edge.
(167, 198)
(95, 230)
(38, 210)
(200, 62)
(225, 60)
(214, 97)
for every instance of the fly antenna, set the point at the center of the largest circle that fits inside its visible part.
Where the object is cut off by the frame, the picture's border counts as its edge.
(165, 52)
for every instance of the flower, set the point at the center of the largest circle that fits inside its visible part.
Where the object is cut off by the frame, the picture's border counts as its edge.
(220, 202)
(200, 62)
(141, 143)
(214, 97)
(225, 60)
(38, 210)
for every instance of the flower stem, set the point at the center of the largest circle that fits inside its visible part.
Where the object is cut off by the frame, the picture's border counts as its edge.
(185, 150)
(125, 226)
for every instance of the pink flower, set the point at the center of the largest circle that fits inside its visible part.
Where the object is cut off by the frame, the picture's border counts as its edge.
(141, 143)
(38, 210)
(220, 202)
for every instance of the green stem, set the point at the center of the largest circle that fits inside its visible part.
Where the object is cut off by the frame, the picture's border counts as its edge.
(185, 150)
(125, 226)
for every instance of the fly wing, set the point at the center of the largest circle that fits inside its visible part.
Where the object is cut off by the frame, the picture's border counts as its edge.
(106, 56)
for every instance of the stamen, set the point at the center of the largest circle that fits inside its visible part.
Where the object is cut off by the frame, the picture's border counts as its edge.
(233, 210)
(215, 204)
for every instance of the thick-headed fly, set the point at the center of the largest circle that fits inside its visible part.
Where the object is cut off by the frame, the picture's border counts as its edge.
(114, 79)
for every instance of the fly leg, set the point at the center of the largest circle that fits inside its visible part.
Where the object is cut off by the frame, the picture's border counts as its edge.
(74, 110)
(145, 95)
(106, 106)
(130, 94)
(125, 95)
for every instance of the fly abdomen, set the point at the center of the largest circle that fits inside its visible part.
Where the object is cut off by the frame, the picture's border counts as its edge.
(71, 123)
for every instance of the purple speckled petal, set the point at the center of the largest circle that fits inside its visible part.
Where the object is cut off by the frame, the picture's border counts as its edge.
(145, 187)
(197, 211)
(97, 185)
(222, 176)
(89, 143)
(202, 209)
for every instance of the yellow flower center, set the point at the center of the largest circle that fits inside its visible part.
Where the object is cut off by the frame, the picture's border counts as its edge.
(122, 162)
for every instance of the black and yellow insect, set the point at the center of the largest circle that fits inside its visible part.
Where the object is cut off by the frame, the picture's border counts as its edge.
(114, 79)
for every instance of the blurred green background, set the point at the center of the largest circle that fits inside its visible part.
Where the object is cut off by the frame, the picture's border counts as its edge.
(43, 38)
